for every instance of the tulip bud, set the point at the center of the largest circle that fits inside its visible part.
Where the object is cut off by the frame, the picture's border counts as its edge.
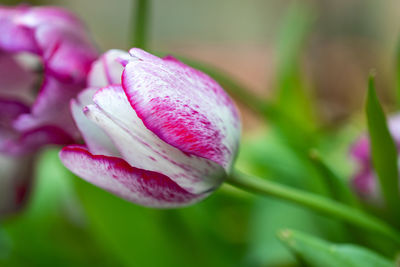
(163, 135)
(365, 180)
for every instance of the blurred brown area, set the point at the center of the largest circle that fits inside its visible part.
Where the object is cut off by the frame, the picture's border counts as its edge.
(347, 40)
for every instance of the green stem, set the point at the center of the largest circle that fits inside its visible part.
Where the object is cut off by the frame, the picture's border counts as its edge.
(315, 202)
(141, 24)
(338, 188)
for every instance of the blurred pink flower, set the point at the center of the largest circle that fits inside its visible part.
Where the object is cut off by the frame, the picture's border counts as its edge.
(45, 55)
(364, 180)
(163, 135)
(50, 41)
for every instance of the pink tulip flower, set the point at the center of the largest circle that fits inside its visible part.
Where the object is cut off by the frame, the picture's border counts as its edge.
(45, 56)
(158, 132)
(365, 180)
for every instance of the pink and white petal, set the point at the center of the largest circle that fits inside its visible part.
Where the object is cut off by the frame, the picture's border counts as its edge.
(142, 149)
(51, 108)
(115, 175)
(16, 36)
(16, 81)
(30, 141)
(95, 138)
(107, 69)
(67, 52)
(139, 54)
(15, 181)
(184, 107)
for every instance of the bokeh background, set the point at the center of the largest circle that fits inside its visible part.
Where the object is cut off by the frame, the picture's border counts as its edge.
(332, 45)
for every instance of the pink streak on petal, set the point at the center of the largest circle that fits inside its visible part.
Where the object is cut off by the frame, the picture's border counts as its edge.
(141, 148)
(115, 175)
(183, 106)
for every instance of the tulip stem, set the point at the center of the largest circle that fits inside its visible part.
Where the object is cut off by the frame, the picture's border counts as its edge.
(141, 24)
(315, 202)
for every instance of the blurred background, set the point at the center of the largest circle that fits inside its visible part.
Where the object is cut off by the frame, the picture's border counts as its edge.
(344, 40)
(327, 47)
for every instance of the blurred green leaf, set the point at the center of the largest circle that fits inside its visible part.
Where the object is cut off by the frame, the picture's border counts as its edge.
(337, 186)
(317, 252)
(269, 216)
(268, 156)
(293, 96)
(50, 230)
(384, 151)
(206, 234)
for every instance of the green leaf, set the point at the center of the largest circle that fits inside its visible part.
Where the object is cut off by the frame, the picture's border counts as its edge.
(50, 230)
(269, 216)
(337, 186)
(293, 97)
(384, 151)
(317, 252)
(200, 235)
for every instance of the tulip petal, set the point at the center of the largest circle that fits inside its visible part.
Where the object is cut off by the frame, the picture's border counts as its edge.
(15, 80)
(67, 52)
(16, 36)
(30, 141)
(183, 106)
(10, 110)
(52, 33)
(115, 175)
(50, 108)
(95, 138)
(360, 150)
(108, 69)
(143, 149)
